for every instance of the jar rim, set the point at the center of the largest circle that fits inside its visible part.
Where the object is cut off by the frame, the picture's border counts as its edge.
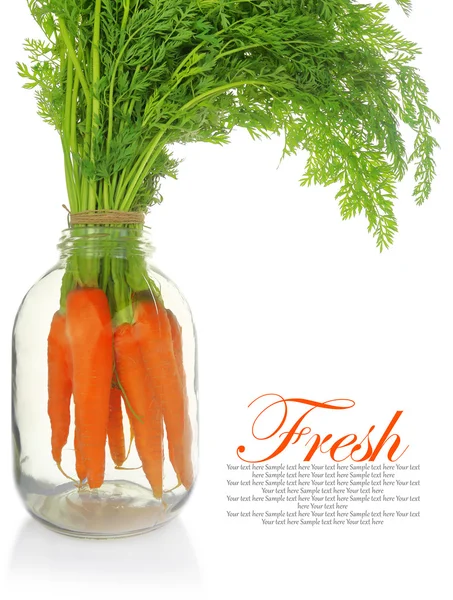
(102, 240)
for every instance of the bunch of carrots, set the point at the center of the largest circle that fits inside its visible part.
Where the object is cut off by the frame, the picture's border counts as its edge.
(101, 365)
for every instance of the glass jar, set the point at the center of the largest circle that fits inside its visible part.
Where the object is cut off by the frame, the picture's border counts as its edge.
(104, 389)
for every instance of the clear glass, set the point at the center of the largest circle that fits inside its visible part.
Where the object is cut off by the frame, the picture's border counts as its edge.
(125, 503)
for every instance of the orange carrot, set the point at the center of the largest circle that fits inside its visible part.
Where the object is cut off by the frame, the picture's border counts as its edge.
(148, 429)
(89, 330)
(176, 336)
(115, 429)
(153, 332)
(59, 384)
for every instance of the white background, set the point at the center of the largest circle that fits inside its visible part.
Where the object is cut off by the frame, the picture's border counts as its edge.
(286, 298)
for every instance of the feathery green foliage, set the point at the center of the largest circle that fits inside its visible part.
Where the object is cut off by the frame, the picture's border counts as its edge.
(123, 80)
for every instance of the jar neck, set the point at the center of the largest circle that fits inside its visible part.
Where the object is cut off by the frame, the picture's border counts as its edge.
(111, 258)
(102, 241)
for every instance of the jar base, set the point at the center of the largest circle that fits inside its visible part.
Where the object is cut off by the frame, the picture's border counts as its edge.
(118, 509)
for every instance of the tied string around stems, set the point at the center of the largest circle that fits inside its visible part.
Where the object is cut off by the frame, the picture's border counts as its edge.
(105, 217)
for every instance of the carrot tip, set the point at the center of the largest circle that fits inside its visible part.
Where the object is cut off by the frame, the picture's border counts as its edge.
(173, 488)
(130, 445)
(128, 468)
(60, 468)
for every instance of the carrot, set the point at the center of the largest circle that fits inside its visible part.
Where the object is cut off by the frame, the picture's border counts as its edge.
(153, 332)
(176, 336)
(89, 330)
(115, 428)
(59, 384)
(148, 429)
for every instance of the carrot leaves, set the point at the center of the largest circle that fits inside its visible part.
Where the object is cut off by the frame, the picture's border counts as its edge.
(123, 80)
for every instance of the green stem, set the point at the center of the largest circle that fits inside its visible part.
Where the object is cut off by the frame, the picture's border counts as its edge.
(68, 99)
(73, 56)
(127, 6)
(119, 188)
(140, 172)
(121, 291)
(105, 270)
(112, 85)
(69, 176)
(111, 103)
(106, 195)
(87, 155)
(84, 57)
(144, 168)
(66, 138)
(96, 69)
(74, 143)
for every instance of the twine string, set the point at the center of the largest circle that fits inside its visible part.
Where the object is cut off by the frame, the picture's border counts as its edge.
(105, 217)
